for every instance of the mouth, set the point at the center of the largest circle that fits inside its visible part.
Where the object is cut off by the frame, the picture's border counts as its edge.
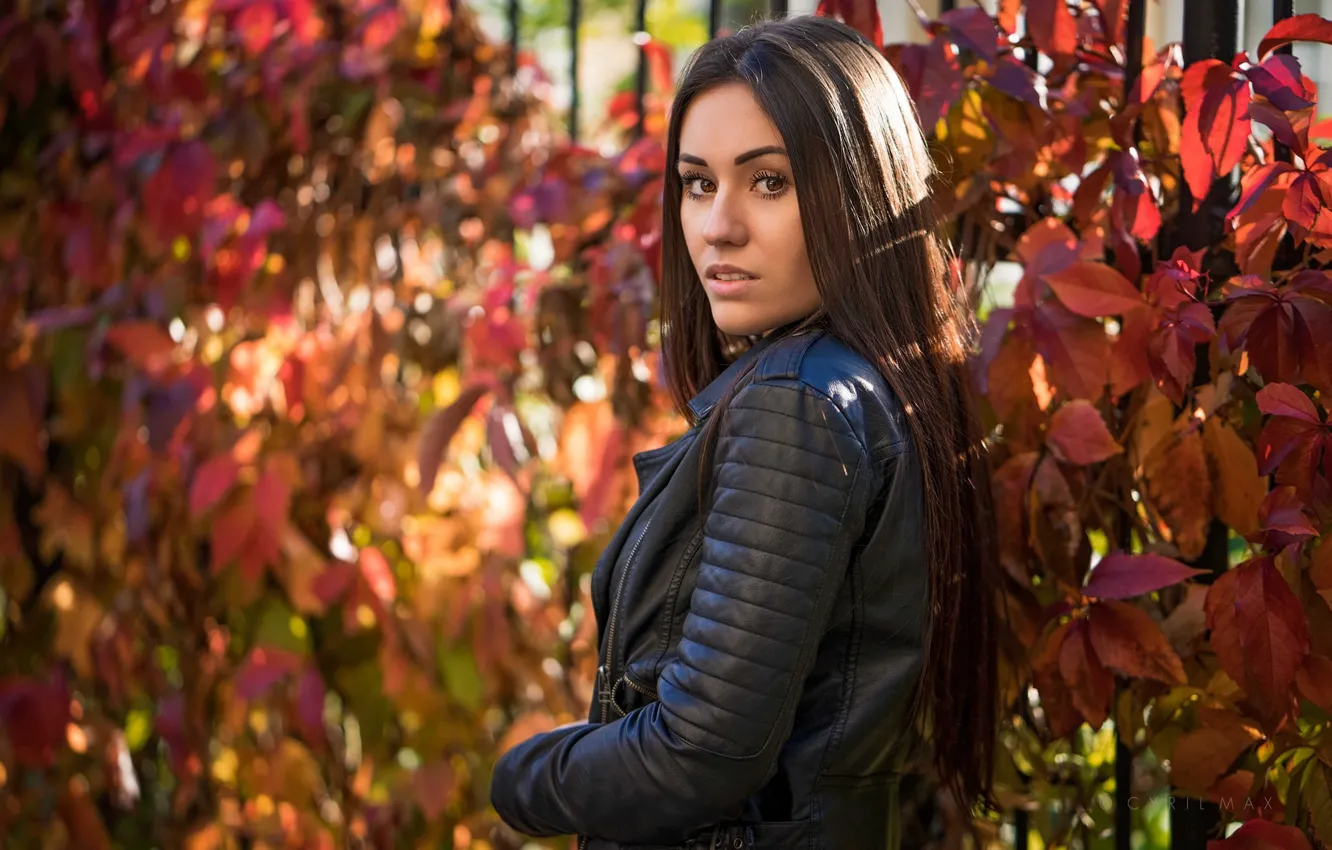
(725, 279)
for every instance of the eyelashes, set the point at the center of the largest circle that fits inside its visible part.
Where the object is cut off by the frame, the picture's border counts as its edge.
(690, 177)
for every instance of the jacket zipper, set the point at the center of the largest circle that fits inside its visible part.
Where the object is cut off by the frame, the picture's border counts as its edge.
(603, 672)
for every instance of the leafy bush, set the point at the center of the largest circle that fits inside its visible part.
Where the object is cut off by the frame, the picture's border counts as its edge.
(323, 361)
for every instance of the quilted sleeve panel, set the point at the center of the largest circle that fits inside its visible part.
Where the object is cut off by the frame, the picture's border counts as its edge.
(792, 482)
(773, 556)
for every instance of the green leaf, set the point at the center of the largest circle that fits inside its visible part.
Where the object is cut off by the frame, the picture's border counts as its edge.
(458, 668)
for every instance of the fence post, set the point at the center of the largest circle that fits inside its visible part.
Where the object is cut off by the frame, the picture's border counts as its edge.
(1133, 37)
(777, 9)
(575, 20)
(714, 18)
(1282, 9)
(513, 37)
(640, 85)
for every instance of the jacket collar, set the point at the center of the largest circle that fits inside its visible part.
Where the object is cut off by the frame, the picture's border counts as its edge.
(702, 403)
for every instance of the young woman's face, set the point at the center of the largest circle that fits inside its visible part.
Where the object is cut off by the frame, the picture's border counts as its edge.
(738, 209)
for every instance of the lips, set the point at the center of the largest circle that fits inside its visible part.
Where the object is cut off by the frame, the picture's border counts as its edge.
(715, 269)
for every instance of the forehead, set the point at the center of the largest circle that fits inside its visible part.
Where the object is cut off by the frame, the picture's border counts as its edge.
(723, 122)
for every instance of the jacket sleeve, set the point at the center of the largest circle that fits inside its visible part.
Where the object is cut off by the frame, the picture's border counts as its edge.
(792, 482)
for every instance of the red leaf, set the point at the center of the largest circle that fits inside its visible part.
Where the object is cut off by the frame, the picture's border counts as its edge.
(21, 425)
(863, 15)
(255, 26)
(310, 692)
(932, 74)
(1272, 345)
(33, 715)
(972, 29)
(1219, 609)
(1121, 576)
(440, 429)
(264, 667)
(1288, 401)
(1216, 127)
(1075, 349)
(1078, 434)
(1254, 182)
(1279, 80)
(1130, 641)
(333, 583)
(1273, 633)
(145, 344)
(175, 197)
(231, 532)
(1314, 679)
(1283, 512)
(1047, 247)
(1052, 27)
(378, 575)
(1260, 833)
(211, 482)
(1305, 199)
(1094, 290)
(1090, 685)
(1297, 28)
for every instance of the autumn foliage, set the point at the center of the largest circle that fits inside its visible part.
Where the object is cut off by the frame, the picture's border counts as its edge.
(1157, 390)
(322, 360)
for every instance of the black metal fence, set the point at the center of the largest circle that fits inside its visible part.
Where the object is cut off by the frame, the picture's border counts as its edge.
(1211, 30)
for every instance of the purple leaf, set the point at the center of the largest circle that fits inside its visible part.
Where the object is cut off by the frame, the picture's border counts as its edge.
(1120, 575)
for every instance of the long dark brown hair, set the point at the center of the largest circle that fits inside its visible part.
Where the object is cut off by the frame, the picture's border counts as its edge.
(884, 271)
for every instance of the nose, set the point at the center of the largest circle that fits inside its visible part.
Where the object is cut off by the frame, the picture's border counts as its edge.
(725, 223)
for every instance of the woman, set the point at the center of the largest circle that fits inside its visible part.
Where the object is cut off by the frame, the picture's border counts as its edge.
(803, 592)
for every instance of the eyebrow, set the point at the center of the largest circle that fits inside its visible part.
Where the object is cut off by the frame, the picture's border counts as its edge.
(739, 160)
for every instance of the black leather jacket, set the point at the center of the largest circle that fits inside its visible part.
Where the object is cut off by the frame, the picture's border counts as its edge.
(755, 671)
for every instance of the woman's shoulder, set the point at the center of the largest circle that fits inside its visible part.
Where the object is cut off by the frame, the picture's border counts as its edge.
(822, 364)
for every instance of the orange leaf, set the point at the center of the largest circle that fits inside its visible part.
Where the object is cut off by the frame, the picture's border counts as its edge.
(1052, 27)
(1314, 679)
(1090, 685)
(1078, 434)
(1128, 640)
(1202, 755)
(1180, 488)
(1094, 290)
(1060, 713)
(1238, 487)
(143, 343)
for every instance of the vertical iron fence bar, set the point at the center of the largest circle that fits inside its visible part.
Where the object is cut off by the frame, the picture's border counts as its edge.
(1134, 33)
(1211, 31)
(640, 84)
(513, 37)
(575, 19)
(1021, 830)
(947, 6)
(1281, 10)
(777, 9)
(714, 18)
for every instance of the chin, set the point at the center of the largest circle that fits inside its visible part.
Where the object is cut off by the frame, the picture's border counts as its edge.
(739, 322)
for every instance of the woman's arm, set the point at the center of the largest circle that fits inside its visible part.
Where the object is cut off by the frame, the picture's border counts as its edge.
(792, 485)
